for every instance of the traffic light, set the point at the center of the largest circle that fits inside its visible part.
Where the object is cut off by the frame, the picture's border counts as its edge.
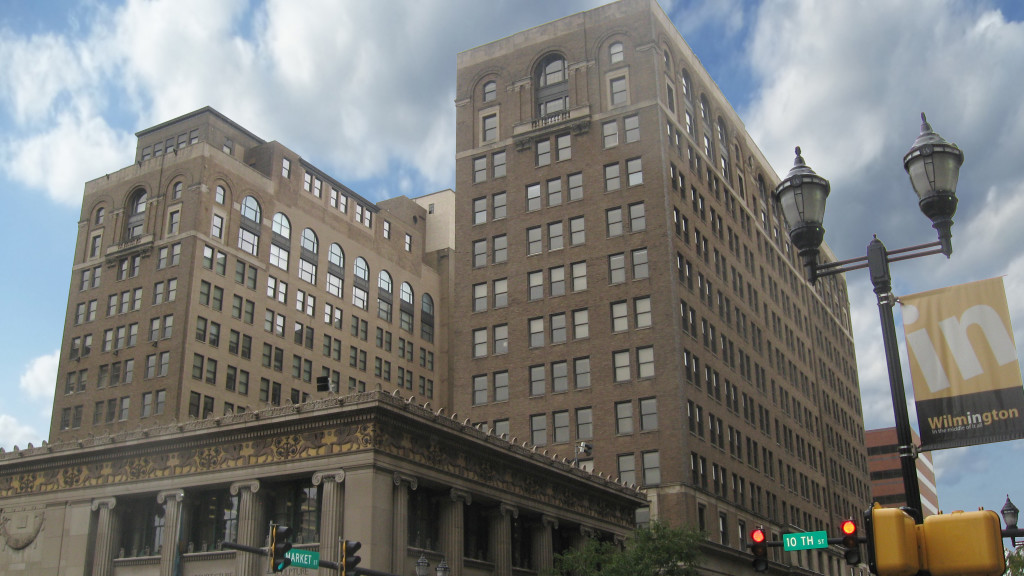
(349, 560)
(891, 542)
(850, 542)
(759, 548)
(279, 546)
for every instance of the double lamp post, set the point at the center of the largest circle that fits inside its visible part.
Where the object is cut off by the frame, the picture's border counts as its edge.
(934, 167)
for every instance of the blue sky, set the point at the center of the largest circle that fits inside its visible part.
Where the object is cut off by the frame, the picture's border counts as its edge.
(365, 91)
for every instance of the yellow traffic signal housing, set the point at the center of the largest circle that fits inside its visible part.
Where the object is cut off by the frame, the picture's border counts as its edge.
(963, 544)
(893, 539)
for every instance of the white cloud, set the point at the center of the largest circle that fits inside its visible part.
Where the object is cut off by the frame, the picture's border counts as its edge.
(39, 379)
(14, 433)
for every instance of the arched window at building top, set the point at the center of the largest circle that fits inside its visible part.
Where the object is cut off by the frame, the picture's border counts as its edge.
(406, 293)
(251, 209)
(490, 90)
(336, 255)
(384, 281)
(428, 304)
(282, 226)
(552, 85)
(136, 213)
(361, 269)
(309, 241)
(615, 52)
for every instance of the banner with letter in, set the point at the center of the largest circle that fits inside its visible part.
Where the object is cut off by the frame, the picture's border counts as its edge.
(963, 364)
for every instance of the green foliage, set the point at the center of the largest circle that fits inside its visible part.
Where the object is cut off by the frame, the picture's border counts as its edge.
(655, 551)
(1015, 562)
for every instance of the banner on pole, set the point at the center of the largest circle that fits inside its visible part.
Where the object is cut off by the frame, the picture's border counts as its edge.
(963, 365)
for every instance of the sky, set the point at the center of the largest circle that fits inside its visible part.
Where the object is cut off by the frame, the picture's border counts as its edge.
(365, 91)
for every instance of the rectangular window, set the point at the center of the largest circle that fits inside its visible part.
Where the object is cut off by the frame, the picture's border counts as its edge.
(498, 206)
(480, 169)
(616, 268)
(501, 386)
(612, 180)
(564, 143)
(479, 389)
(580, 324)
(490, 128)
(637, 217)
(642, 312)
(576, 186)
(538, 380)
(652, 472)
(479, 342)
(619, 91)
(558, 328)
(543, 152)
(627, 468)
(620, 364)
(620, 320)
(639, 258)
(536, 332)
(632, 124)
(624, 417)
(560, 423)
(577, 231)
(555, 236)
(554, 192)
(479, 253)
(610, 131)
(584, 423)
(645, 362)
(613, 222)
(501, 293)
(479, 210)
(480, 297)
(581, 372)
(579, 276)
(556, 279)
(559, 376)
(534, 241)
(535, 285)
(648, 414)
(533, 197)
(539, 429)
(500, 249)
(635, 171)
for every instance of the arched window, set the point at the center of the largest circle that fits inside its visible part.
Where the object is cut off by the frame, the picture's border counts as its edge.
(384, 281)
(309, 241)
(177, 190)
(405, 309)
(336, 255)
(406, 293)
(723, 134)
(687, 86)
(249, 227)
(100, 214)
(490, 90)
(668, 59)
(220, 195)
(282, 226)
(705, 110)
(552, 85)
(615, 52)
(136, 213)
(428, 304)
(361, 270)
(251, 209)
(427, 318)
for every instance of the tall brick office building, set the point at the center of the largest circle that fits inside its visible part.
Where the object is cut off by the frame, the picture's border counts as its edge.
(626, 281)
(620, 278)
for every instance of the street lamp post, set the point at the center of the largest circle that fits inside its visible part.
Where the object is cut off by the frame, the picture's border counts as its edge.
(933, 165)
(1010, 515)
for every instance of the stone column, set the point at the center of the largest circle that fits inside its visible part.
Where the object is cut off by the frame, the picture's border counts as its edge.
(332, 514)
(400, 523)
(543, 548)
(170, 555)
(250, 527)
(586, 533)
(107, 536)
(501, 538)
(451, 529)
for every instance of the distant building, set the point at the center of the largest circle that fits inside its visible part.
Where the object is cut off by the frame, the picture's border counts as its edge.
(887, 475)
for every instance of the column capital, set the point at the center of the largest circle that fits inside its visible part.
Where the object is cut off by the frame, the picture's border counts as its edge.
(253, 486)
(588, 531)
(547, 520)
(508, 510)
(108, 502)
(457, 495)
(177, 495)
(338, 476)
(412, 481)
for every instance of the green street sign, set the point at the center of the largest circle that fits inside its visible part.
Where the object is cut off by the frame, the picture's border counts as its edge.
(303, 558)
(805, 540)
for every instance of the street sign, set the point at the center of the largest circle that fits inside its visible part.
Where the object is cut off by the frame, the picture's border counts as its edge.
(303, 558)
(805, 540)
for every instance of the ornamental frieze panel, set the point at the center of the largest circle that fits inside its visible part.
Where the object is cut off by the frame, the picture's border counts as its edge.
(196, 459)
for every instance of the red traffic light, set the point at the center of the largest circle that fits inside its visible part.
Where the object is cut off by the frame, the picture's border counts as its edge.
(757, 536)
(848, 527)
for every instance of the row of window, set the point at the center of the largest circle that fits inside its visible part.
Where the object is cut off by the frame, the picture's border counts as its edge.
(114, 410)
